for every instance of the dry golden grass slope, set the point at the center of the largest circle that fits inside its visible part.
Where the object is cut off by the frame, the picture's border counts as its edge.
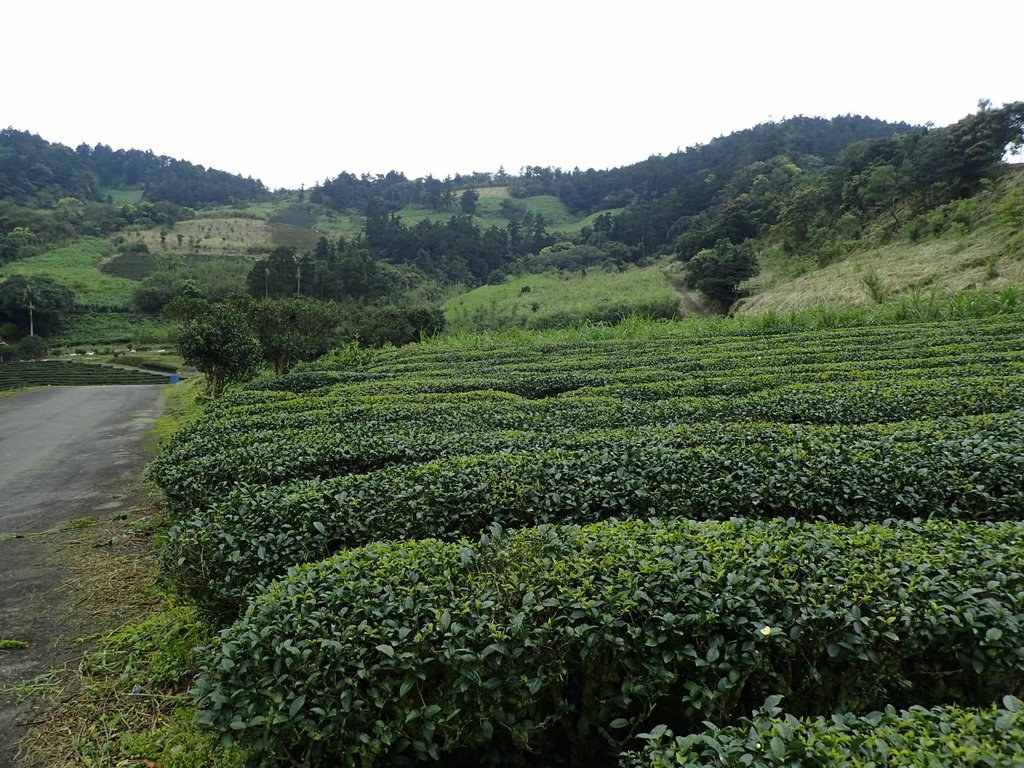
(220, 237)
(944, 266)
(987, 255)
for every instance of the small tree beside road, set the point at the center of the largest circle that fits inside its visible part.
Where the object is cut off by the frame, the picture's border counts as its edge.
(220, 342)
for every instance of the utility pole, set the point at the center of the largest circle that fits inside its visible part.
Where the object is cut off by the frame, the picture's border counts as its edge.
(30, 300)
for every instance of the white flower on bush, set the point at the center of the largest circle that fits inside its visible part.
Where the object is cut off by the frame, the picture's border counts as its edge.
(767, 631)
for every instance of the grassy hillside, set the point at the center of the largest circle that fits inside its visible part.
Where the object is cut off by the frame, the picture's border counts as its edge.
(347, 225)
(489, 211)
(214, 235)
(115, 330)
(77, 266)
(556, 299)
(974, 244)
(123, 195)
(922, 266)
(971, 245)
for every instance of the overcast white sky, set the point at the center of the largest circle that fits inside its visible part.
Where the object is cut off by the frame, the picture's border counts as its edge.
(296, 92)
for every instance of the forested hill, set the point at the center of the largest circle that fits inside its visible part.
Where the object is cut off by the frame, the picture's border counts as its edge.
(693, 177)
(808, 186)
(802, 173)
(807, 183)
(696, 175)
(37, 173)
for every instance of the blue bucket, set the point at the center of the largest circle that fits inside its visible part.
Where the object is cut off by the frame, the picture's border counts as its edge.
(174, 378)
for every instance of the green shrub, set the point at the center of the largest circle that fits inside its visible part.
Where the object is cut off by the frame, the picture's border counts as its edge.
(361, 434)
(941, 737)
(398, 325)
(558, 645)
(138, 361)
(33, 348)
(718, 272)
(64, 373)
(296, 381)
(219, 554)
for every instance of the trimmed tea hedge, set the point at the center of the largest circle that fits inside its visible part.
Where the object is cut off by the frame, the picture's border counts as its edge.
(422, 403)
(62, 373)
(378, 432)
(559, 644)
(973, 468)
(831, 516)
(941, 737)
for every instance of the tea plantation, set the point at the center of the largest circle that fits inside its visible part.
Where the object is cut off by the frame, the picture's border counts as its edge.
(66, 373)
(612, 550)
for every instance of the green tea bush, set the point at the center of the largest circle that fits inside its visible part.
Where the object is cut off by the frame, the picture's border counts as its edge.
(331, 437)
(559, 645)
(941, 737)
(140, 361)
(220, 553)
(303, 381)
(66, 373)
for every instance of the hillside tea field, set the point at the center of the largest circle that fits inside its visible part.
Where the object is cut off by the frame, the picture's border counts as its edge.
(63, 373)
(560, 550)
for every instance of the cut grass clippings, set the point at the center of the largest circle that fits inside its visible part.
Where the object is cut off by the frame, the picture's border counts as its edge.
(126, 698)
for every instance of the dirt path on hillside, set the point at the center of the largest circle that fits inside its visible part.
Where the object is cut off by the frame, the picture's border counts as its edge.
(66, 453)
(691, 303)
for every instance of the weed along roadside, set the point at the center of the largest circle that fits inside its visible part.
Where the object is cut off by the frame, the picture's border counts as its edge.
(119, 695)
(122, 698)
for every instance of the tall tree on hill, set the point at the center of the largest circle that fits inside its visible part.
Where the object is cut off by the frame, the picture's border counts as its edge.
(332, 271)
(275, 276)
(717, 272)
(468, 201)
(37, 173)
(951, 162)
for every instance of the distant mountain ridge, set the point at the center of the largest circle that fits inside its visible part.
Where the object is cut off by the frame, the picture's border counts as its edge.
(810, 188)
(36, 172)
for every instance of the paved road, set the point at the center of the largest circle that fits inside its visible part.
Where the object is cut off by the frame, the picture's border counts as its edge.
(65, 452)
(60, 445)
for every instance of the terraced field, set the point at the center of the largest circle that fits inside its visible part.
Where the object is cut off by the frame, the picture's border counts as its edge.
(538, 552)
(65, 373)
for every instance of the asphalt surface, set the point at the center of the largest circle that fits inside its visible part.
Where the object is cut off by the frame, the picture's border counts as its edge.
(65, 453)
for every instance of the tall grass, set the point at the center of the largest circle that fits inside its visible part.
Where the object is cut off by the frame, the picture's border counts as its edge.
(916, 306)
(219, 233)
(345, 225)
(919, 307)
(963, 246)
(558, 300)
(489, 212)
(124, 195)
